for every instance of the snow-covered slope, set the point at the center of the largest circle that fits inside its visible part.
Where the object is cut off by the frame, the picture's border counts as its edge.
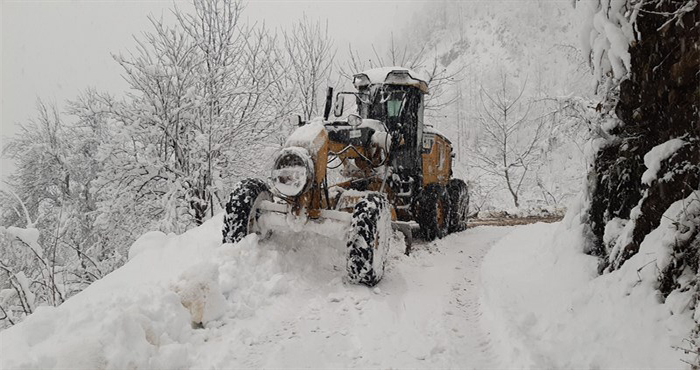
(550, 309)
(188, 301)
(533, 45)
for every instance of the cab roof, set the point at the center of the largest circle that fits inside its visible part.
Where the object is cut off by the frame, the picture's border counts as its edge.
(391, 76)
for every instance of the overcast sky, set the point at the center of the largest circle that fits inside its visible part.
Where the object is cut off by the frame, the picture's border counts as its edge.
(52, 49)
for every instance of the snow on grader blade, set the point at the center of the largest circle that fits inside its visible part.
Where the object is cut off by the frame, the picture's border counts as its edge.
(392, 171)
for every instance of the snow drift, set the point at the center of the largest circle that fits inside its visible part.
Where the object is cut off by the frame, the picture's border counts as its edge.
(142, 315)
(550, 309)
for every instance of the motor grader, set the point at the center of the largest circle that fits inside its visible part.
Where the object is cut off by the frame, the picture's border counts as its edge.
(356, 178)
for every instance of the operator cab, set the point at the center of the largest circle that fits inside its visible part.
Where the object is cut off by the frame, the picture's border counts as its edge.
(395, 96)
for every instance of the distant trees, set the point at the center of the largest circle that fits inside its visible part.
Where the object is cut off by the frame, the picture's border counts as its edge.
(480, 41)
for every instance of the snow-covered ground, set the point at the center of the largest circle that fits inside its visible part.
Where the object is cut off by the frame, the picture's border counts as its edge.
(489, 297)
(548, 307)
(280, 302)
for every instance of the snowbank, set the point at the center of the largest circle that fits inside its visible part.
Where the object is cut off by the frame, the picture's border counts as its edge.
(549, 308)
(143, 314)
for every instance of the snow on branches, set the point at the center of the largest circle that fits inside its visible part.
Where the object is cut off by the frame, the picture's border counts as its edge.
(607, 34)
(610, 27)
(208, 93)
(207, 98)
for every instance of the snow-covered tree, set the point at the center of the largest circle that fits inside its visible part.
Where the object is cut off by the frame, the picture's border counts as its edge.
(310, 54)
(50, 248)
(205, 95)
(511, 140)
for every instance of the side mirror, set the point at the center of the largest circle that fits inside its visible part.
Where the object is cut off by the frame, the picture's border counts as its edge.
(339, 105)
(295, 120)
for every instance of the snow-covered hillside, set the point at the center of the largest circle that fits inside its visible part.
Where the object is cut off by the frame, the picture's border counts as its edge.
(186, 301)
(533, 49)
(550, 309)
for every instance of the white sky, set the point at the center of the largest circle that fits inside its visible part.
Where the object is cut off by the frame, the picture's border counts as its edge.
(52, 49)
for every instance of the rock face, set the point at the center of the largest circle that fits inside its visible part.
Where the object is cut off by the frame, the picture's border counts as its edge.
(659, 101)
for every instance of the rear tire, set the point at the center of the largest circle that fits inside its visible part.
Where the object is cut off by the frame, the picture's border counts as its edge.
(432, 210)
(368, 240)
(459, 205)
(241, 209)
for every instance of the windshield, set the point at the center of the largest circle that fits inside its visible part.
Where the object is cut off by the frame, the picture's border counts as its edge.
(381, 104)
(393, 108)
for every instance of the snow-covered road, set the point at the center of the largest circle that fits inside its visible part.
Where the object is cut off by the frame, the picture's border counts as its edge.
(278, 302)
(425, 313)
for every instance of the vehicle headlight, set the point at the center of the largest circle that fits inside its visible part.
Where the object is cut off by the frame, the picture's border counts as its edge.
(293, 171)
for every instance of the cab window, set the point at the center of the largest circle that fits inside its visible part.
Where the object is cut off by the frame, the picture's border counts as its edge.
(393, 107)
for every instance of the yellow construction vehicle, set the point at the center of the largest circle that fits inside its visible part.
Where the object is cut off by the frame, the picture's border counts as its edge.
(392, 171)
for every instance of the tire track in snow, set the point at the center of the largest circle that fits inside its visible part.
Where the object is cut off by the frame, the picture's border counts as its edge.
(424, 314)
(464, 313)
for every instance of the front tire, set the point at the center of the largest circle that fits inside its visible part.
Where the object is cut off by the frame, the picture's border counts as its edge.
(241, 209)
(368, 240)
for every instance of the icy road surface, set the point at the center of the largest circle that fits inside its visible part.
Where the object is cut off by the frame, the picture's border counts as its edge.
(277, 302)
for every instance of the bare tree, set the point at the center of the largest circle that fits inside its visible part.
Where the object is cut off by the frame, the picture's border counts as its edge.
(509, 145)
(310, 54)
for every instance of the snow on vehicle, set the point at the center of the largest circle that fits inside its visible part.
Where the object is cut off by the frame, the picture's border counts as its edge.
(395, 171)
